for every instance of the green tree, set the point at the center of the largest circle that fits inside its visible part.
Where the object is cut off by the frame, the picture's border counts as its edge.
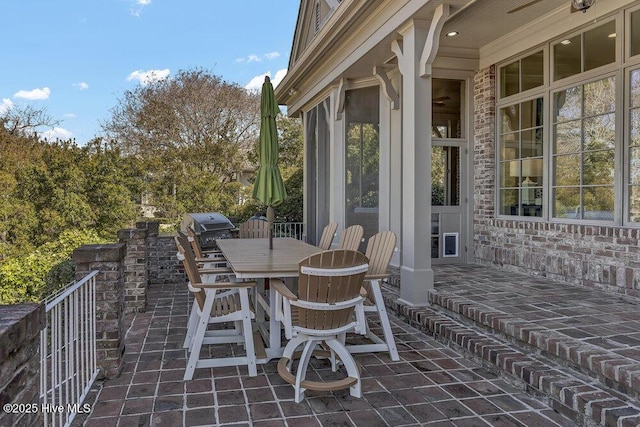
(192, 133)
(36, 275)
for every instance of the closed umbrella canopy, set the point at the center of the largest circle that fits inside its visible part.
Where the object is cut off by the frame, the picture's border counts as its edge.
(269, 187)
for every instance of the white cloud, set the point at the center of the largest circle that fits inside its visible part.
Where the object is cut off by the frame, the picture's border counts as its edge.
(81, 85)
(69, 116)
(253, 58)
(240, 59)
(271, 55)
(138, 5)
(33, 95)
(256, 83)
(56, 133)
(278, 77)
(5, 105)
(146, 77)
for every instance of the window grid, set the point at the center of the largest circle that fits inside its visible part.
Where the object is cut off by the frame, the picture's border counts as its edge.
(584, 151)
(521, 158)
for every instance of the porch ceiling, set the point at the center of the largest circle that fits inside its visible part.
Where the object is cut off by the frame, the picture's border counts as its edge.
(477, 23)
(485, 21)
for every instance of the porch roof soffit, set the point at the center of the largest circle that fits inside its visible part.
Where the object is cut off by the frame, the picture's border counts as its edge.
(357, 32)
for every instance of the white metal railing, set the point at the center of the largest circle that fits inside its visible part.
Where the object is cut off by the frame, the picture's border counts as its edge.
(289, 229)
(68, 352)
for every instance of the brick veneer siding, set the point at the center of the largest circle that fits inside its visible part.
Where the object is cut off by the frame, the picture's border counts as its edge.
(603, 257)
(20, 327)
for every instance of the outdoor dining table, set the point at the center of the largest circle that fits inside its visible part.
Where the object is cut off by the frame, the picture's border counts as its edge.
(252, 259)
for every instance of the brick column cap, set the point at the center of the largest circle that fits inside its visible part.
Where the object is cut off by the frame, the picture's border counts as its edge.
(19, 323)
(112, 252)
(132, 233)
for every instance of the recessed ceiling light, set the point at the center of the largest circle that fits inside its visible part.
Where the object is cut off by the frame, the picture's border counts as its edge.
(612, 35)
(565, 42)
(452, 34)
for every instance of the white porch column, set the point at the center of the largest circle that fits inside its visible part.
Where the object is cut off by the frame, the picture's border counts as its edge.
(419, 45)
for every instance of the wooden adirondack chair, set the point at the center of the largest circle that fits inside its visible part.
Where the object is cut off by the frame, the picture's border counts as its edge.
(253, 229)
(322, 312)
(351, 237)
(380, 248)
(328, 234)
(216, 303)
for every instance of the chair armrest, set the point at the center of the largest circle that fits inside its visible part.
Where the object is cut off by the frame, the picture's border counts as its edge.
(224, 285)
(279, 286)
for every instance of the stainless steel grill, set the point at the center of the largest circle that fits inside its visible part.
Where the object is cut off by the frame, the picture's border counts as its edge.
(208, 226)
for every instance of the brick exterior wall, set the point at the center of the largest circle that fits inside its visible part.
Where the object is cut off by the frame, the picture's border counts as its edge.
(603, 257)
(20, 327)
(164, 267)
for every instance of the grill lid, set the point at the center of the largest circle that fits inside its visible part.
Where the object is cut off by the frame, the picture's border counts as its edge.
(207, 221)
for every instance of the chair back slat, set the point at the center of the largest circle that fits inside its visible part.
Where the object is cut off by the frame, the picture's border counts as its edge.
(380, 248)
(351, 237)
(253, 229)
(327, 236)
(190, 267)
(195, 245)
(321, 283)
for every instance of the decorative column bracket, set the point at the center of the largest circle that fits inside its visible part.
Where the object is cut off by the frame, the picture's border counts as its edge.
(342, 87)
(387, 88)
(432, 43)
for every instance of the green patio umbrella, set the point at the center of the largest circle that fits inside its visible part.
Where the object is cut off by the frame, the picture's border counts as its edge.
(269, 187)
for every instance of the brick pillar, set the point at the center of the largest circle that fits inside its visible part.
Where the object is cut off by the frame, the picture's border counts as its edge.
(484, 163)
(20, 327)
(135, 269)
(110, 327)
(152, 228)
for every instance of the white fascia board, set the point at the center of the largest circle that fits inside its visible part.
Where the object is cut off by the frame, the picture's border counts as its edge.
(365, 38)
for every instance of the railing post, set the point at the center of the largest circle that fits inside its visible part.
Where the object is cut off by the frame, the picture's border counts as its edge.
(110, 326)
(20, 327)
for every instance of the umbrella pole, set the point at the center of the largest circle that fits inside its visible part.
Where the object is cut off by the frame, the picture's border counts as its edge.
(270, 218)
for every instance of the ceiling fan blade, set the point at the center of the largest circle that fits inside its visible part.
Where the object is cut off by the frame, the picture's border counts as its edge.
(442, 98)
(524, 6)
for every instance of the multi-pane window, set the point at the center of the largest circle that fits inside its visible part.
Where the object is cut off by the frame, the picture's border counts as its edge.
(583, 151)
(557, 155)
(586, 51)
(634, 146)
(521, 75)
(521, 158)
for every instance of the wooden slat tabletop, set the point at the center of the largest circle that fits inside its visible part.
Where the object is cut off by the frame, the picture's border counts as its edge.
(252, 258)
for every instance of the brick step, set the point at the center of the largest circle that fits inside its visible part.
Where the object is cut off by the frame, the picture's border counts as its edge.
(614, 369)
(503, 344)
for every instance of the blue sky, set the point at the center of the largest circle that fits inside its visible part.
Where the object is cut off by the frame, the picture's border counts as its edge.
(76, 58)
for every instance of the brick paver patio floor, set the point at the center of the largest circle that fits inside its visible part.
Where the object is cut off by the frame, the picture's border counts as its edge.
(431, 385)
